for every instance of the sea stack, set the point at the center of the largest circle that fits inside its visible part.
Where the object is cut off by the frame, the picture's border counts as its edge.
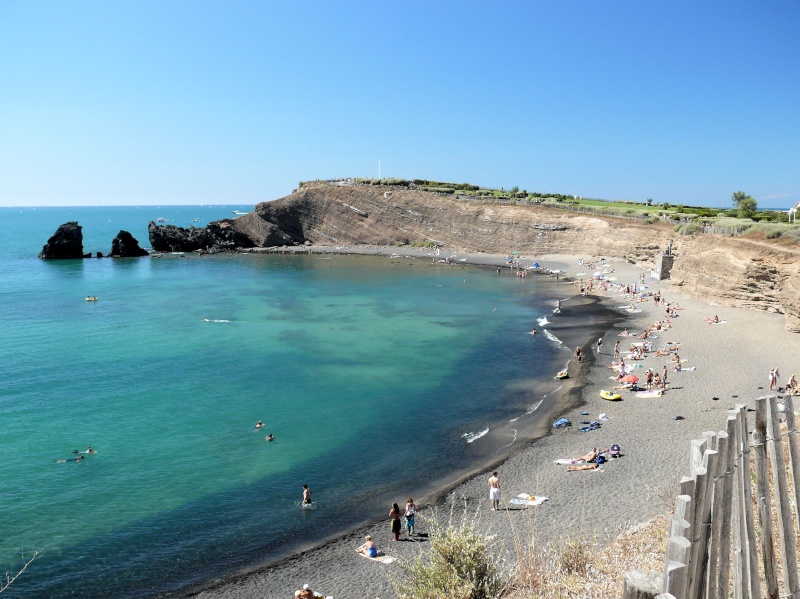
(66, 242)
(125, 245)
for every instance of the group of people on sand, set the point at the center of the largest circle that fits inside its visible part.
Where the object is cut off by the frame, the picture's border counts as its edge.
(643, 349)
(791, 387)
(370, 549)
(592, 460)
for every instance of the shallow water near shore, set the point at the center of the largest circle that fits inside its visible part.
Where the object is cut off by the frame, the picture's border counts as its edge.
(377, 376)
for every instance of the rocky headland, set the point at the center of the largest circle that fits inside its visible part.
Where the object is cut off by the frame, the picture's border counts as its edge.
(731, 271)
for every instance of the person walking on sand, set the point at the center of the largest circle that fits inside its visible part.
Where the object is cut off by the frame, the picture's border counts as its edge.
(306, 495)
(394, 517)
(578, 357)
(616, 350)
(494, 491)
(773, 380)
(664, 378)
(599, 344)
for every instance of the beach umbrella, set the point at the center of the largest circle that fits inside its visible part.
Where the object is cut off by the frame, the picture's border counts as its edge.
(629, 378)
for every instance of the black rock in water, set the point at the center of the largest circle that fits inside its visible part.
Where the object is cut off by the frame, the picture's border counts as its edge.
(66, 243)
(126, 246)
(218, 236)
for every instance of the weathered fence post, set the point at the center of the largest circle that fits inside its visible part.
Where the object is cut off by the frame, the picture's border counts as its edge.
(704, 485)
(763, 497)
(747, 518)
(726, 511)
(786, 528)
(716, 516)
(794, 450)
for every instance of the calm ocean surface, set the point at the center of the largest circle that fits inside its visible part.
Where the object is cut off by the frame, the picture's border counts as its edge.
(373, 374)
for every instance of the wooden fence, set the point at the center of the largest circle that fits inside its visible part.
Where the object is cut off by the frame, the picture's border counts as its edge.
(715, 547)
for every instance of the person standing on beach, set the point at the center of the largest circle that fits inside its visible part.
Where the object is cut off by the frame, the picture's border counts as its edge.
(394, 516)
(578, 356)
(411, 511)
(306, 495)
(664, 378)
(616, 350)
(494, 491)
(599, 344)
(773, 380)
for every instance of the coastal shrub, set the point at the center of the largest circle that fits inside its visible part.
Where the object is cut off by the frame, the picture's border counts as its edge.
(460, 564)
(688, 228)
(651, 220)
(773, 234)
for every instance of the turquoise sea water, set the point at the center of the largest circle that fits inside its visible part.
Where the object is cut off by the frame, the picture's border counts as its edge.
(372, 373)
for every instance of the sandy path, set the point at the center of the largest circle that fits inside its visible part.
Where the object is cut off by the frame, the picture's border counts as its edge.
(730, 360)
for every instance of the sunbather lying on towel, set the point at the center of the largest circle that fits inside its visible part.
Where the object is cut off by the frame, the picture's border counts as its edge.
(583, 467)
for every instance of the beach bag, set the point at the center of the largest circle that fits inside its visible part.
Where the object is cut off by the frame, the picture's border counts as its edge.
(600, 460)
(615, 451)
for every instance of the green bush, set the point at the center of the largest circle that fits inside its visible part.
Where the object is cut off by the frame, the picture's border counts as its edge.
(688, 228)
(651, 220)
(459, 565)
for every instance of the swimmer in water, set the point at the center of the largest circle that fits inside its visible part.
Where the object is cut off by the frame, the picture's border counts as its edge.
(259, 425)
(88, 450)
(533, 332)
(269, 437)
(78, 459)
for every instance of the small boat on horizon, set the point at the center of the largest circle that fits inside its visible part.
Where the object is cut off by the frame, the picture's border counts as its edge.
(161, 219)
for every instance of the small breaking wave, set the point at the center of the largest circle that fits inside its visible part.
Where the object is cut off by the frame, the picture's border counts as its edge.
(542, 321)
(470, 437)
(552, 337)
(213, 320)
(535, 406)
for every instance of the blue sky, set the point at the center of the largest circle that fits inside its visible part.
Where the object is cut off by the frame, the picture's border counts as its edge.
(189, 102)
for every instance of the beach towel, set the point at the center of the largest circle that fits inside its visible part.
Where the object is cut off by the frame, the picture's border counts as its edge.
(561, 422)
(649, 394)
(568, 461)
(384, 559)
(526, 499)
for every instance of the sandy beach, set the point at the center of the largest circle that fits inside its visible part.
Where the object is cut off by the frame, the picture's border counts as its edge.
(724, 364)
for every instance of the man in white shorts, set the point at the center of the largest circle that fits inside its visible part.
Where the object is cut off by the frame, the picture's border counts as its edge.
(494, 491)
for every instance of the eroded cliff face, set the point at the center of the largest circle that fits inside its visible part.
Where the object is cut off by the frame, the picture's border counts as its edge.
(741, 272)
(333, 215)
(731, 271)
